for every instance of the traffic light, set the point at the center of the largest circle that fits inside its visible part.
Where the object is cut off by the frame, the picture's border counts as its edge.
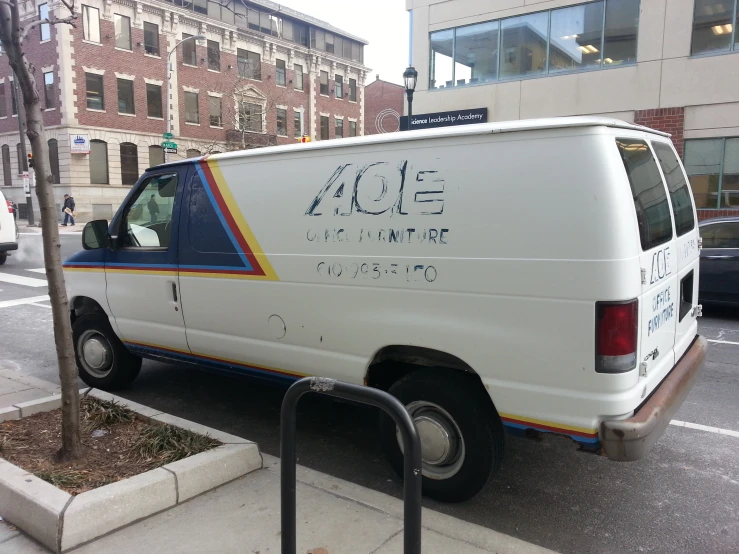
(30, 160)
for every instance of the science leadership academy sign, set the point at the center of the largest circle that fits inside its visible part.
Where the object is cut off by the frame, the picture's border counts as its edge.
(445, 119)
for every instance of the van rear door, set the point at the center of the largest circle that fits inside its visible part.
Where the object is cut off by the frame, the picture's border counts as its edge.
(657, 304)
(686, 244)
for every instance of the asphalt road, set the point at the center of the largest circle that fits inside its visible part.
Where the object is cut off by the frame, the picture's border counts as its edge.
(684, 497)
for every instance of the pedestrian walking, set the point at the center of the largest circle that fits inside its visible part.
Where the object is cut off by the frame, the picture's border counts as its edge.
(153, 209)
(68, 210)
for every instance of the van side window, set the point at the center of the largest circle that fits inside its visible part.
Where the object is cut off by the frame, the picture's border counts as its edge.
(682, 206)
(721, 235)
(147, 222)
(648, 190)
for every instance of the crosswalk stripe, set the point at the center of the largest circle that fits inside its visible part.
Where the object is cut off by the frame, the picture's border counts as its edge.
(38, 270)
(21, 301)
(20, 280)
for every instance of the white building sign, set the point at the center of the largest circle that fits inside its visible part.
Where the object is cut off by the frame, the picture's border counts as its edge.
(79, 144)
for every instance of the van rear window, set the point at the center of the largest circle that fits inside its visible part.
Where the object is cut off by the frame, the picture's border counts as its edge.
(648, 190)
(682, 206)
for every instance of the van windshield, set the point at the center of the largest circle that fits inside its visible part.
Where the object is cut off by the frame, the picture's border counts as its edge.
(682, 206)
(648, 190)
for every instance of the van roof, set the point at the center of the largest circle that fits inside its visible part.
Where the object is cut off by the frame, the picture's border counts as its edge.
(463, 130)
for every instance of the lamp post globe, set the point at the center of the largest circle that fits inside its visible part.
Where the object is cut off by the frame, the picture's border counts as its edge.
(410, 78)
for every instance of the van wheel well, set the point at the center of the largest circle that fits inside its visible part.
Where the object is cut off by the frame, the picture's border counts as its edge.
(84, 305)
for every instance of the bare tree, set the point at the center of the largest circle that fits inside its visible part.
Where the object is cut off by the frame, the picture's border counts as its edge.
(13, 35)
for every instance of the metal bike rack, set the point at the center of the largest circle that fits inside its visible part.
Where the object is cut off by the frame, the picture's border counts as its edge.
(365, 395)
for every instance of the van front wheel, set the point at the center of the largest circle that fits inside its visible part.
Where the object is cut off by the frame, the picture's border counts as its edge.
(102, 359)
(461, 434)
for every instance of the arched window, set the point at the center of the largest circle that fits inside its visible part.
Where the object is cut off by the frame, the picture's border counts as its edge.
(98, 162)
(193, 153)
(129, 163)
(54, 160)
(22, 164)
(156, 155)
(7, 175)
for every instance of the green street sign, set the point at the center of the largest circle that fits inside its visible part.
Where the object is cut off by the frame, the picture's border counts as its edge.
(168, 136)
(169, 145)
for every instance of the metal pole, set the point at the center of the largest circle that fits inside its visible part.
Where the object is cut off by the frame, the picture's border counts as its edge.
(20, 108)
(365, 395)
(168, 66)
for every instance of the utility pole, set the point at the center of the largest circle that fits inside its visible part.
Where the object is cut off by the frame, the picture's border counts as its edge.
(23, 157)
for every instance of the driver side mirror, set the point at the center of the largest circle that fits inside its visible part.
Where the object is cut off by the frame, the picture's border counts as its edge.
(95, 235)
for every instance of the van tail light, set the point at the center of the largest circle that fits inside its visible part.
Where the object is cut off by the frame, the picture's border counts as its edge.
(616, 335)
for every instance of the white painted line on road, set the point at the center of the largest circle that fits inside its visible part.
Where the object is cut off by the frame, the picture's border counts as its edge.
(706, 428)
(21, 301)
(38, 270)
(40, 305)
(723, 342)
(20, 280)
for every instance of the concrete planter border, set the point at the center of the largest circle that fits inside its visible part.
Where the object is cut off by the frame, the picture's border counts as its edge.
(61, 521)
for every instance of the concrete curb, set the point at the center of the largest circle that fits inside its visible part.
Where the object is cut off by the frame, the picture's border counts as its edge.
(61, 521)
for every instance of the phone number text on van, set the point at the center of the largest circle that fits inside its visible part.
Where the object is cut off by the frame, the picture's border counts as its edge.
(411, 273)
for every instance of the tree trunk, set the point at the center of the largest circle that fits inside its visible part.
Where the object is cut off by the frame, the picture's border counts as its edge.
(10, 33)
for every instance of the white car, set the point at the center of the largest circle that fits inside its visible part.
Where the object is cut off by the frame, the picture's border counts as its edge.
(8, 230)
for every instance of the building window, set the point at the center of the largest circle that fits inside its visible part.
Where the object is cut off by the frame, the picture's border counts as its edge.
(3, 106)
(43, 13)
(125, 97)
(154, 100)
(353, 90)
(192, 111)
(339, 86)
(712, 166)
(98, 162)
(7, 172)
(714, 26)
(214, 55)
(156, 155)
(250, 117)
(151, 38)
(324, 127)
(13, 100)
(298, 123)
(282, 122)
(281, 73)
(49, 95)
(22, 162)
(352, 128)
(594, 35)
(129, 163)
(324, 83)
(122, 32)
(250, 64)
(189, 51)
(214, 111)
(338, 128)
(298, 77)
(90, 23)
(95, 94)
(54, 161)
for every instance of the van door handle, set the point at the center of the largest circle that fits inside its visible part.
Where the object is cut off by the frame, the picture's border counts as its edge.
(174, 292)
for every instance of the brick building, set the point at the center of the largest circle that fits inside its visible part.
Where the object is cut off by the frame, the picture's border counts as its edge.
(263, 75)
(671, 65)
(383, 106)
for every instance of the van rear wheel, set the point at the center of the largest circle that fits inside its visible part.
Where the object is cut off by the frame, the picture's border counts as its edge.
(461, 434)
(3, 257)
(102, 359)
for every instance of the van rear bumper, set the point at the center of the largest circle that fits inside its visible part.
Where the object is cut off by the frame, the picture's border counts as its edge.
(5, 246)
(630, 439)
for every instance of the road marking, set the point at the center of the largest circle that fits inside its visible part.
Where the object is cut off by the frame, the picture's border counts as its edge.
(20, 280)
(706, 428)
(38, 270)
(40, 305)
(723, 342)
(21, 301)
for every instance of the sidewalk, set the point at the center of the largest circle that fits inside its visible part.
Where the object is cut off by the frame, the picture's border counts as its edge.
(244, 516)
(24, 229)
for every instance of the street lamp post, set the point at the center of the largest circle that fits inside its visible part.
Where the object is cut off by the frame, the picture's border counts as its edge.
(410, 76)
(169, 83)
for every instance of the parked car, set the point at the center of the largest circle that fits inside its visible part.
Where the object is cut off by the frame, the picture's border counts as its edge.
(8, 229)
(719, 277)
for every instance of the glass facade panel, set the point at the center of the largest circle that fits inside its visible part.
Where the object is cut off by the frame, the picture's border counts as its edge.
(730, 181)
(442, 48)
(703, 166)
(575, 38)
(622, 26)
(713, 22)
(524, 45)
(476, 54)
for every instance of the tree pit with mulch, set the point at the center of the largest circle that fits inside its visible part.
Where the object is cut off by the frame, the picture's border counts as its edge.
(117, 443)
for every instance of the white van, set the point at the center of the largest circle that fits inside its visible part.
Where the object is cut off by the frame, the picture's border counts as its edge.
(530, 276)
(8, 229)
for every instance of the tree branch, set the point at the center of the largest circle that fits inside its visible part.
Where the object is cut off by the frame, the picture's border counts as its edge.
(69, 20)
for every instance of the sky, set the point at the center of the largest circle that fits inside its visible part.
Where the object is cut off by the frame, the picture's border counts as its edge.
(383, 23)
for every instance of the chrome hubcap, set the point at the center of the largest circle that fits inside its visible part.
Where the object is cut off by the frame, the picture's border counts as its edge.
(96, 355)
(442, 445)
